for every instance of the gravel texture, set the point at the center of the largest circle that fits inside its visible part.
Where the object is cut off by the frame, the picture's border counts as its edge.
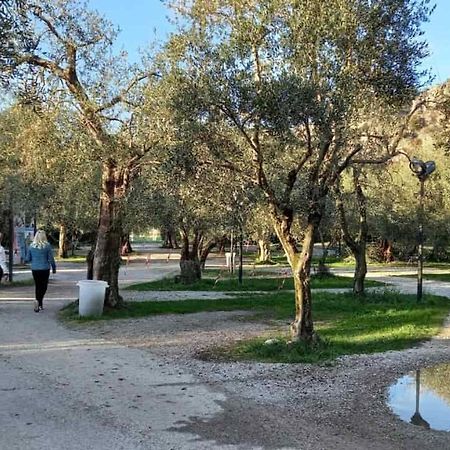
(274, 406)
(139, 384)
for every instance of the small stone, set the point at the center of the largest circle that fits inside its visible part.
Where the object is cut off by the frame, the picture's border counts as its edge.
(271, 341)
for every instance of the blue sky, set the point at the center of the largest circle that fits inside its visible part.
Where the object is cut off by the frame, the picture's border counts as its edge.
(141, 21)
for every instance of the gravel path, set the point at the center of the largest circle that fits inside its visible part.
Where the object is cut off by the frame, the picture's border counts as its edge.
(137, 384)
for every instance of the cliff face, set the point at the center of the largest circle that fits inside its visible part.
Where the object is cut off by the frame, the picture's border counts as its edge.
(429, 127)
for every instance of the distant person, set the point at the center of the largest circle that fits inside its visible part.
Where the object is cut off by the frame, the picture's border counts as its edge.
(3, 267)
(40, 255)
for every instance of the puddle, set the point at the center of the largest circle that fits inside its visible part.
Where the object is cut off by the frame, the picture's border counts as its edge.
(422, 398)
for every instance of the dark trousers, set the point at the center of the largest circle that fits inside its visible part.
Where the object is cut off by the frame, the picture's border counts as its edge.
(41, 283)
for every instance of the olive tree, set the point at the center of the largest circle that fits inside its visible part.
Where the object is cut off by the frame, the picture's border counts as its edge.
(72, 54)
(283, 85)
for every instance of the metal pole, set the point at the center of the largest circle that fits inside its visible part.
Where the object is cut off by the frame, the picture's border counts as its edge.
(231, 252)
(241, 250)
(420, 241)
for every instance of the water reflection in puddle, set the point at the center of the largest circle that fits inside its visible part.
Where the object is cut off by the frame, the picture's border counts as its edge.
(423, 398)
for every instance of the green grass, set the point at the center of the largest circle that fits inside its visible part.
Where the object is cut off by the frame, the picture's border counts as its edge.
(143, 309)
(437, 276)
(17, 283)
(436, 265)
(279, 259)
(346, 324)
(74, 259)
(249, 284)
(331, 261)
(430, 276)
(146, 240)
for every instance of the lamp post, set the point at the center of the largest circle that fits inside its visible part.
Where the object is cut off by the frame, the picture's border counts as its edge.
(416, 418)
(422, 170)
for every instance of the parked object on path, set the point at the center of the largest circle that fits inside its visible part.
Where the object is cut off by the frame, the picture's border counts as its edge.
(92, 297)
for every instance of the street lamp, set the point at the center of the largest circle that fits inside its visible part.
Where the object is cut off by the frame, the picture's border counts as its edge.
(422, 170)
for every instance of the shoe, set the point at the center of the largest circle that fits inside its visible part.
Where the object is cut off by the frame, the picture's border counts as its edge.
(36, 306)
(41, 308)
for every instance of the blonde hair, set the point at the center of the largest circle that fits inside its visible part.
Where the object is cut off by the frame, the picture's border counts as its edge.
(40, 239)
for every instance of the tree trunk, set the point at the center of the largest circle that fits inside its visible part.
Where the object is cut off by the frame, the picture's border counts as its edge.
(189, 260)
(205, 251)
(174, 240)
(63, 244)
(107, 249)
(74, 242)
(302, 328)
(264, 251)
(357, 246)
(360, 270)
(126, 248)
(169, 238)
(190, 270)
(90, 265)
(222, 245)
(322, 268)
(386, 249)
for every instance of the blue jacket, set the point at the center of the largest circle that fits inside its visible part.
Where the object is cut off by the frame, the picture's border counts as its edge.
(41, 258)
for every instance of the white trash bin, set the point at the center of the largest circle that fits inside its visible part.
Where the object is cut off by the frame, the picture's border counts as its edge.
(92, 297)
(228, 260)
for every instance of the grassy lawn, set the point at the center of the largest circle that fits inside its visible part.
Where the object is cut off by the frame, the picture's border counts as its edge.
(16, 283)
(73, 259)
(346, 325)
(336, 262)
(331, 261)
(430, 276)
(228, 284)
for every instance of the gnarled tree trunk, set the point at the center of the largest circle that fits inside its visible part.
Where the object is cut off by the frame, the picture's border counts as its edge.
(205, 250)
(63, 242)
(126, 248)
(107, 249)
(169, 237)
(189, 259)
(360, 269)
(264, 250)
(386, 250)
(302, 327)
(358, 245)
(222, 245)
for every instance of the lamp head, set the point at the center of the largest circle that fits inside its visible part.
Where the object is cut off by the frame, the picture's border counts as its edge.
(430, 167)
(422, 169)
(417, 166)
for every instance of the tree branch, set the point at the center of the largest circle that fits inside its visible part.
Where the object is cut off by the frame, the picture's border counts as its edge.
(37, 12)
(51, 66)
(121, 97)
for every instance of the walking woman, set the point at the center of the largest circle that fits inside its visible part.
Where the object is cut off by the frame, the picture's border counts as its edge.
(40, 255)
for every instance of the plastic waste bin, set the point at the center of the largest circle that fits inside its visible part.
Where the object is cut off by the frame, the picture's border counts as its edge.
(92, 297)
(230, 260)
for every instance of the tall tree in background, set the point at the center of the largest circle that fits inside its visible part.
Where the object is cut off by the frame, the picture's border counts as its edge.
(72, 49)
(357, 244)
(46, 168)
(284, 86)
(14, 37)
